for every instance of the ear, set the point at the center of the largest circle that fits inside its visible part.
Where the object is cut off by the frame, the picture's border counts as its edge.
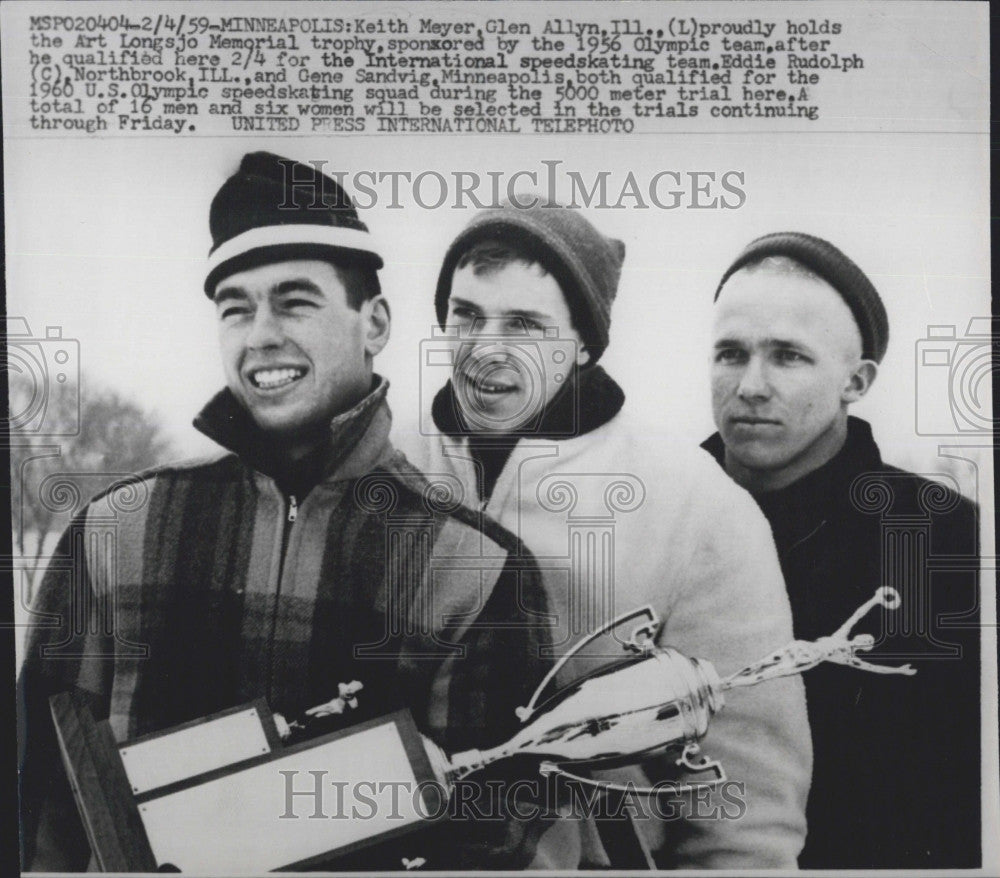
(582, 356)
(378, 323)
(858, 382)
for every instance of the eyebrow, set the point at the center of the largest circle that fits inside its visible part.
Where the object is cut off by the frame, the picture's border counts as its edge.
(779, 343)
(295, 285)
(727, 343)
(513, 312)
(228, 293)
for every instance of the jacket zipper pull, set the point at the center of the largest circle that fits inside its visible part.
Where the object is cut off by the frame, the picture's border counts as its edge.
(293, 508)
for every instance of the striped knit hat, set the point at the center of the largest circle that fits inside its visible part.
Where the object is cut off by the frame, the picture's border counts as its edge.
(585, 263)
(273, 209)
(826, 261)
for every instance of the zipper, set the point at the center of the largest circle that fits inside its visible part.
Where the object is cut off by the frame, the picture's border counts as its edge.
(290, 518)
(506, 483)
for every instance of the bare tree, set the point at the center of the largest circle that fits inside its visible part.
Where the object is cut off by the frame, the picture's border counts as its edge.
(56, 467)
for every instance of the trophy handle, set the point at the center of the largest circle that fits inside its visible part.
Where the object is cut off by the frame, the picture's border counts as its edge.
(704, 764)
(641, 641)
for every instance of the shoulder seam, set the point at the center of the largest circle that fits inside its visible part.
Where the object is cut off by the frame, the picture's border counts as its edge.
(152, 473)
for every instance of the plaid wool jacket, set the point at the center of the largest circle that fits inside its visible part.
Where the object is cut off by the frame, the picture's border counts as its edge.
(204, 585)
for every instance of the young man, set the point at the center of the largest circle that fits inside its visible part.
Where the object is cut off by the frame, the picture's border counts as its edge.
(542, 440)
(302, 555)
(799, 332)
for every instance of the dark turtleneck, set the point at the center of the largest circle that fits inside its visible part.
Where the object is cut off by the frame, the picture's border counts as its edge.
(588, 400)
(798, 509)
(896, 759)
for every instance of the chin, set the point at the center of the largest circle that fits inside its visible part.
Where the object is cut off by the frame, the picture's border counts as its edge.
(503, 416)
(491, 422)
(517, 419)
(754, 457)
(280, 424)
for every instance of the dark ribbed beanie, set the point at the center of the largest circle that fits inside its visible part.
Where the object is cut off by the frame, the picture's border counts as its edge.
(273, 209)
(826, 261)
(586, 264)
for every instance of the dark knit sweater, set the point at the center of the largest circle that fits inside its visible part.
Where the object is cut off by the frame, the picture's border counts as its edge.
(896, 777)
(587, 401)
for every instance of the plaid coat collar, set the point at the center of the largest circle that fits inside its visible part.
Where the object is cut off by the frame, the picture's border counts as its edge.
(356, 440)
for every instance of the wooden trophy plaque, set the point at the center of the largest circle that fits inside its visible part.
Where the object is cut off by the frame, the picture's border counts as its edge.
(223, 794)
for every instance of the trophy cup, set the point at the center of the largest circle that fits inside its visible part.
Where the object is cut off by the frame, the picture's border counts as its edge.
(217, 794)
(659, 701)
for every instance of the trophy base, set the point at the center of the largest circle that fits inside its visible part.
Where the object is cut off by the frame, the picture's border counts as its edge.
(223, 794)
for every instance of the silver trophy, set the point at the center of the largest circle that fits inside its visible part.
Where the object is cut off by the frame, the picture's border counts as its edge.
(659, 702)
(166, 787)
(655, 701)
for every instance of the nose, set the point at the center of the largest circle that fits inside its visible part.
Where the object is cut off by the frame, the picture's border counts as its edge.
(265, 332)
(485, 340)
(753, 381)
(480, 353)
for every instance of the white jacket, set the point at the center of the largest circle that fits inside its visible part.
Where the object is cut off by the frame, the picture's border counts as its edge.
(621, 517)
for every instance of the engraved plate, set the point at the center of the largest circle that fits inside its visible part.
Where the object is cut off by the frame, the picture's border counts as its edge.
(247, 821)
(195, 750)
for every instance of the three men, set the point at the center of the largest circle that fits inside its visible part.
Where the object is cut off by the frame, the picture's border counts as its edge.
(268, 569)
(304, 554)
(798, 335)
(541, 439)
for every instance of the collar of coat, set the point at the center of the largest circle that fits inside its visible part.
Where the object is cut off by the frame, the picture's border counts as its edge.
(797, 510)
(354, 442)
(587, 401)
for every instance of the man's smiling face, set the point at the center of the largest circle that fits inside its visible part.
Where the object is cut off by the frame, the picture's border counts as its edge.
(508, 366)
(295, 353)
